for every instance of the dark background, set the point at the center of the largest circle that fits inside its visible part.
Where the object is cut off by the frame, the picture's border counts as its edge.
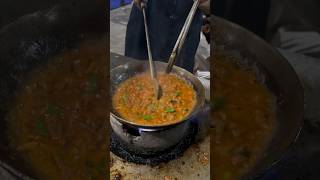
(11, 10)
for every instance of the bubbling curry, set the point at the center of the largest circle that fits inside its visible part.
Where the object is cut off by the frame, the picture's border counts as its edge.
(57, 122)
(135, 100)
(244, 119)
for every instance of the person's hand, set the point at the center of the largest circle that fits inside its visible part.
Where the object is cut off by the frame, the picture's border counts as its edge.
(203, 1)
(138, 3)
(205, 6)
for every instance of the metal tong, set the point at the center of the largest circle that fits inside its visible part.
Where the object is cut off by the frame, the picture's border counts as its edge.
(153, 70)
(182, 37)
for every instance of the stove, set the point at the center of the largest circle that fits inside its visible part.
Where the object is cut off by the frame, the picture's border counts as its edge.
(188, 160)
(121, 150)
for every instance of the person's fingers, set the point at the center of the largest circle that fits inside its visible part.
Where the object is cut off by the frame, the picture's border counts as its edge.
(205, 6)
(137, 3)
(201, 1)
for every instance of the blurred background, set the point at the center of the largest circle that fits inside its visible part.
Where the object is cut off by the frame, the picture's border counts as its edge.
(118, 3)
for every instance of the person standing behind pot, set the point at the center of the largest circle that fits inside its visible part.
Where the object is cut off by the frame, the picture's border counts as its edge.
(165, 19)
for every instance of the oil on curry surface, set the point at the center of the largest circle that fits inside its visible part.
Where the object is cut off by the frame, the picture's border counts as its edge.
(244, 118)
(58, 119)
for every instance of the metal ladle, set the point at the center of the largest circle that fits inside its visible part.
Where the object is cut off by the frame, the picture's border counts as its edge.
(182, 37)
(153, 70)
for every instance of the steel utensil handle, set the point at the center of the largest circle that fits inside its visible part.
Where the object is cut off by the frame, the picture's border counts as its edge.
(151, 63)
(182, 36)
(189, 21)
(173, 55)
(153, 75)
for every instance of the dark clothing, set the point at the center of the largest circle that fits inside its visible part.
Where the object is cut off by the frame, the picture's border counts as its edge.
(165, 19)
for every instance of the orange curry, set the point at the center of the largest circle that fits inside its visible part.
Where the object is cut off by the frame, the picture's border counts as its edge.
(135, 100)
(57, 121)
(244, 117)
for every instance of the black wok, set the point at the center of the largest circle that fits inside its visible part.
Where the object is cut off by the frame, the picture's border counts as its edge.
(232, 40)
(28, 42)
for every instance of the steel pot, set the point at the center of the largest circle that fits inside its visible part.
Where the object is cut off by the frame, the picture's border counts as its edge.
(151, 139)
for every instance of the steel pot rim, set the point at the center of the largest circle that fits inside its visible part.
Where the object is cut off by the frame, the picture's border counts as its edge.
(194, 112)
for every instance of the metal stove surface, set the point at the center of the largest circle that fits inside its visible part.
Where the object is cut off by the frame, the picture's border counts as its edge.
(192, 164)
(118, 148)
